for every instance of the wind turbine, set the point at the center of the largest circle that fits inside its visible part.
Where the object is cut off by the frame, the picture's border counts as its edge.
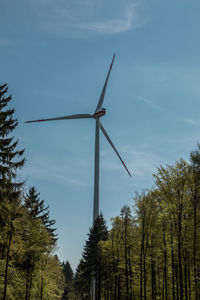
(99, 112)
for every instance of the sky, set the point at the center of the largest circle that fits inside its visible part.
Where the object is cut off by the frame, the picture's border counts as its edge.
(54, 56)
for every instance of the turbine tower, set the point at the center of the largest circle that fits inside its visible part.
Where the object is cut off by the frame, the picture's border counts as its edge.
(99, 112)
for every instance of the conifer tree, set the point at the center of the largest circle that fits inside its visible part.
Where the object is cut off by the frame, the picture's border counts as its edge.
(92, 258)
(69, 275)
(39, 222)
(37, 210)
(11, 160)
(82, 281)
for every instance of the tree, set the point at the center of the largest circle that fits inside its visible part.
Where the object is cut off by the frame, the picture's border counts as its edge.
(69, 275)
(39, 237)
(10, 161)
(92, 257)
(37, 210)
(173, 183)
(82, 281)
(127, 228)
(195, 202)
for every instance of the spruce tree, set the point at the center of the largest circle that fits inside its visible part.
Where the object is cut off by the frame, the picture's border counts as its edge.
(39, 237)
(11, 160)
(69, 275)
(67, 271)
(37, 210)
(92, 258)
(82, 280)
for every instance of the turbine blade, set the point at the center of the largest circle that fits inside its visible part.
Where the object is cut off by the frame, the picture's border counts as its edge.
(100, 103)
(109, 140)
(79, 116)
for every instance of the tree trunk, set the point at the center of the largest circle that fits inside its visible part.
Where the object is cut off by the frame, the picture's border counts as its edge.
(141, 261)
(41, 289)
(153, 277)
(158, 282)
(180, 256)
(115, 286)
(145, 277)
(172, 264)
(131, 283)
(126, 259)
(30, 285)
(195, 245)
(99, 282)
(165, 265)
(177, 281)
(185, 275)
(141, 273)
(7, 264)
(189, 280)
(27, 284)
(119, 288)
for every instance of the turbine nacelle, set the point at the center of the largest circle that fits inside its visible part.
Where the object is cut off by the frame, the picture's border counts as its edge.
(100, 113)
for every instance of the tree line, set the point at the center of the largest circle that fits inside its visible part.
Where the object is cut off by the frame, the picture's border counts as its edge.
(28, 267)
(152, 250)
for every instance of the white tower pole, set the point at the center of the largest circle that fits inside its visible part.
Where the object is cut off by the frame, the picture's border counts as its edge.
(96, 172)
(96, 197)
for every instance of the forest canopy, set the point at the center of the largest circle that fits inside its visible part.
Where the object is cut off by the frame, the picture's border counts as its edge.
(152, 249)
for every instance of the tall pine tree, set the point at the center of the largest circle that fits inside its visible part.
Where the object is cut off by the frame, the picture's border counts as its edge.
(11, 160)
(37, 210)
(69, 275)
(39, 237)
(92, 258)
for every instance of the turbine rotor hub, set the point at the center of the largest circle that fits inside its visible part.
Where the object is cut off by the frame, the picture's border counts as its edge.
(100, 113)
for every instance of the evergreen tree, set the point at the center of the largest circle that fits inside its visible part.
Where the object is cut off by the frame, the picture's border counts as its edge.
(37, 210)
(82, 281)
(92, 256)
(39, 237)
(69, 275)
(10, 161)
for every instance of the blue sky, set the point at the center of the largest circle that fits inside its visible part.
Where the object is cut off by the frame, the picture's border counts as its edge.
(55, 55)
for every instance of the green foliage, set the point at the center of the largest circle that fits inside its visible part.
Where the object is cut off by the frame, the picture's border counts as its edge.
(153, 252)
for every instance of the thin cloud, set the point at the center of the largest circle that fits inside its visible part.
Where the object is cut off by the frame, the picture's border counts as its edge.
(115, 26)
(42, 169)
(69, 180)
(192, 122)
(75, 16)
(140, 161)
(148, 102)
